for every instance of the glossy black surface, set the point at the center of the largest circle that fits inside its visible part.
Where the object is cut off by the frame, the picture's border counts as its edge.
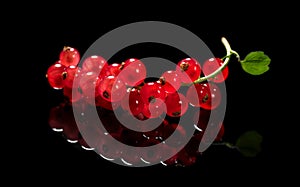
(248, 99)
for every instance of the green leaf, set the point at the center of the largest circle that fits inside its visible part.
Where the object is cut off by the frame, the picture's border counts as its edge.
(249, 143)
(256, 63)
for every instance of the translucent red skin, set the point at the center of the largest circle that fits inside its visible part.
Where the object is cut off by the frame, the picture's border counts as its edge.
(55, 75)
(211, 65)
(134, 71)
(204, 95)
(69, 56)
(189, 70)
(59, 80)
(171, 81)
(176, 104)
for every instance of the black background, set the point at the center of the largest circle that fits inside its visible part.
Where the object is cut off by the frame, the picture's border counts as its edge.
(48, 156)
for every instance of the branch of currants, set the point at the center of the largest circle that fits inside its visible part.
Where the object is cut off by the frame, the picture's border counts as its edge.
(146, 97)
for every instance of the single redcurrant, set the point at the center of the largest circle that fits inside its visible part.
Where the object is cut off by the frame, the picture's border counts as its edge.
(204, 95)
(151, 91)
(176, 104)
(56, 74)
(93, 63)
(133, 71)
(153, 95)
(69, 56)
(110, 70)
(71, 72)
(111, 89)
(211, 65)
(189, 69)
(170, 81)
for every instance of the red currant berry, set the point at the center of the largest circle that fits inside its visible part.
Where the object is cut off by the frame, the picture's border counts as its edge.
(87, 83)
(56, 119)
(176, 104)
(151, 91)
(99, 101)
(189, 69)
(71, 72)
(171, 161)
(67, 122)
(188, 155)
(124, 102)
(69, 56)
(153, 95)
(136, 103)
(111, 89)
(204, 95)
(154, 109)
(201, 118)
(171, 81)
(110, 70)
(70, 129)
(152, 155)
(72, 94)
(93, 63)
(133, 71)
(95, 134)
(56, 74)
(107, 148)
(130, 157)
(212, 65)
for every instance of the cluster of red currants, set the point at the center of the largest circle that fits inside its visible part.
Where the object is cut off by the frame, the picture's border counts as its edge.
(125, 86)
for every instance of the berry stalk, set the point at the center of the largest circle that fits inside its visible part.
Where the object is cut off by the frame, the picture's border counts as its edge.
(229, 52)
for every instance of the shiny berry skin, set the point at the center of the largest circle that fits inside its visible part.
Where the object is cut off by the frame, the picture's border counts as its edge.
(136, 103)
(204, 95)
(69, 56)
(176, 104)
(152, 90)
(56, 74)
(111, 89)
(133, 71)
(87, 83)
(201, 119)
(154, 109)
(70, 129)
(124, 102)
(107, 149)
(93, 63)
(188, 155)
(153, 155)
(153, 95)
(71, 94)
(56, 118)
(110, 70)
(211, 65)
(132, 102)
(171, 81)
(189, 69)
(71, 72)
(99, 101)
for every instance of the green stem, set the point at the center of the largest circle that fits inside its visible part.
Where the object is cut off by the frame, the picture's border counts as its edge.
(227, 144)
(229, 52)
